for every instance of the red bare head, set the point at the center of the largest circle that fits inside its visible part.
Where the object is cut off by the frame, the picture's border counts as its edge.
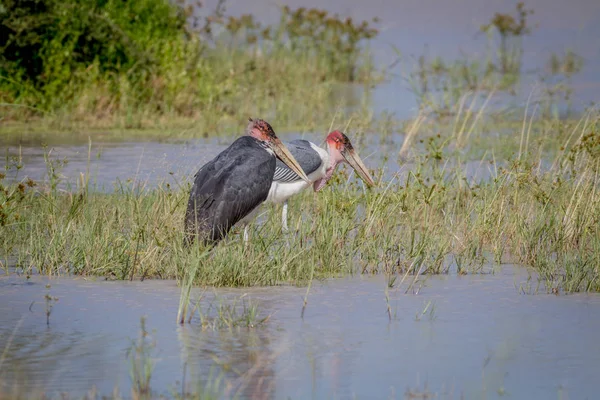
(340, 151)
(338, 143)
(261, 130)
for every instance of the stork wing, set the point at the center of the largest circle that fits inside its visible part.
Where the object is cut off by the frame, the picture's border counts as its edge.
(227, 189)
(306, 156)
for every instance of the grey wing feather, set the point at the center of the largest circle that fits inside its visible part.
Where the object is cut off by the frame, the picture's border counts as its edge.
(306, 156)
(225, 191)
(284, 174)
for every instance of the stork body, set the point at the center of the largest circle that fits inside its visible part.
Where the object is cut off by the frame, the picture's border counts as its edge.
(231, 187)
(318, 164)
(313, 159)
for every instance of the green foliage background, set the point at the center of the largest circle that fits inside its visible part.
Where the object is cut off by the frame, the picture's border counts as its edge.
(133, 61)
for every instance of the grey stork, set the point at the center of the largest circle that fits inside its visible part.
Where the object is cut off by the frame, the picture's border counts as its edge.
(231, 187)
(319, 164)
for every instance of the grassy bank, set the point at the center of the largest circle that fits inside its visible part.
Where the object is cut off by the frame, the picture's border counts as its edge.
(151, 64)
(539, 208)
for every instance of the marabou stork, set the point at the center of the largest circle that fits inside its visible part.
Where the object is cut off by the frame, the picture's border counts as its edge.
(319, 164)
(232, 186)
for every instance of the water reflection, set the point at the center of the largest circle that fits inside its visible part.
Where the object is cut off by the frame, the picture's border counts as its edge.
(53, 361)
(245, 359)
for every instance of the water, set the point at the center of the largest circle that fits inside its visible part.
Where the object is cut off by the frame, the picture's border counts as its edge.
(107, 163)
(450, 29)
(110, 165)
(482, 337)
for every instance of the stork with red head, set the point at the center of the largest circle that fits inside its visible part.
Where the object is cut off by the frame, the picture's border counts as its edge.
(318, 164)
(231, 187)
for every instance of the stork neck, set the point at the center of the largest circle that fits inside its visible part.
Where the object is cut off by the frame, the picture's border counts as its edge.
(265, 146)
(333, 162)
(320, 183)
(334, 158)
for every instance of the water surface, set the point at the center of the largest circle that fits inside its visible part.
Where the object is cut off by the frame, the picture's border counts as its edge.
(452, 29)
(483, 338)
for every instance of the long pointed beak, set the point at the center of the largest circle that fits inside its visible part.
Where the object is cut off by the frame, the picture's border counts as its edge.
(354, 160)
(284, 155)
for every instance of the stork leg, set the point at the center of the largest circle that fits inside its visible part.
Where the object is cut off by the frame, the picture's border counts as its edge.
(284, 217)
(246, 236)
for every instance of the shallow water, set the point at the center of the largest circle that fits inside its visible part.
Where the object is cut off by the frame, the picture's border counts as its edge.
(110, 165)
(452, 29)
(483, 337)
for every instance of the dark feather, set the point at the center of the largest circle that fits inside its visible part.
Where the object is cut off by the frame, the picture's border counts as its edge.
(227, 189)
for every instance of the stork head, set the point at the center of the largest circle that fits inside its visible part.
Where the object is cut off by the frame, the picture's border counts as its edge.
(341, 151)
(261, 130)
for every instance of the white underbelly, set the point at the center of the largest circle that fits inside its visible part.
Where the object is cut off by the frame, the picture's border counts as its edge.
(281, 191)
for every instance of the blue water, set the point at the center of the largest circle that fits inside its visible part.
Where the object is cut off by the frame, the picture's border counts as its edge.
(480, 337)
(450, 29)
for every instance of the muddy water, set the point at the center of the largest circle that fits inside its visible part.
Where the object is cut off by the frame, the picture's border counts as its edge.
(482, 338)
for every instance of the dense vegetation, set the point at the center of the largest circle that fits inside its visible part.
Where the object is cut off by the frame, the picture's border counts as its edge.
(136, 63)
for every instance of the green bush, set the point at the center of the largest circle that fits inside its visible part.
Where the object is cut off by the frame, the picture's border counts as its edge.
(138, 60)
(51, 42)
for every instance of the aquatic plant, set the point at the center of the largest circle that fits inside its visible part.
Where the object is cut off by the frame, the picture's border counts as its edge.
(557, 78)
(50, 301)
(142, 363)
(219, 313)
(312, 34)
(447, 87)
(511, 30)
(429, 309)
(229, 314)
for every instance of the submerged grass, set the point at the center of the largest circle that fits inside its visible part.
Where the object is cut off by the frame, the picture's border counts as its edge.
(432, 218)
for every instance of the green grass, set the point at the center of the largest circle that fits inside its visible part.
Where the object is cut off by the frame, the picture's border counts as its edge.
(536, 211)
